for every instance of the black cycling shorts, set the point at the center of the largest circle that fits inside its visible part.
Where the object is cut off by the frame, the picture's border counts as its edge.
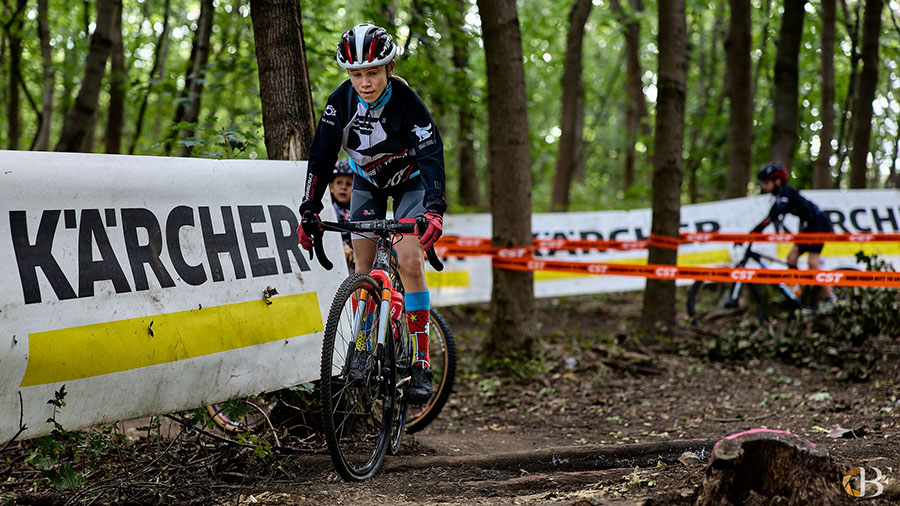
(818, 223)
(368, 202)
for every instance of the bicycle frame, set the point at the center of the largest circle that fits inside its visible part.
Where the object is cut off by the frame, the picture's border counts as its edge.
(757, 257)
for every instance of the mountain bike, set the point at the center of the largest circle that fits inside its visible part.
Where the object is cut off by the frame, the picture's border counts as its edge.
(708, 300)
(245, 415)
(367, 355)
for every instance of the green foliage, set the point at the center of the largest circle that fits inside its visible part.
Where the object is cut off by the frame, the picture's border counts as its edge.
(230, 123)
(842, 338)
(517, 365)
(65, 458)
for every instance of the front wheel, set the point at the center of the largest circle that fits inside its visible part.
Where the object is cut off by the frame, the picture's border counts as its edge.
(357, 381)
(709, 301)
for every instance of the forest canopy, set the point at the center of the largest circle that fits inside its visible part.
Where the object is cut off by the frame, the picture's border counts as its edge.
(158, 38)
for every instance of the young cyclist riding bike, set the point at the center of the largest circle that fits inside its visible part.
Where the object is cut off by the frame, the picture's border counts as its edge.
(395, 151)
(773, 178)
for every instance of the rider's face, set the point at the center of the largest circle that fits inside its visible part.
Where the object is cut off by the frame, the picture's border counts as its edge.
(767, 186)
(369, 82)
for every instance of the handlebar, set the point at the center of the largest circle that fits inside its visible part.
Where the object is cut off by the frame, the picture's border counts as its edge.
(316, 229)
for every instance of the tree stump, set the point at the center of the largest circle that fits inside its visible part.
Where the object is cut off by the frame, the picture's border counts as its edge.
(769, 467)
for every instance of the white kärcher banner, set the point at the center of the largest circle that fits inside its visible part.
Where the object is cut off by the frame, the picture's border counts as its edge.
(468, 280)
(150, 285)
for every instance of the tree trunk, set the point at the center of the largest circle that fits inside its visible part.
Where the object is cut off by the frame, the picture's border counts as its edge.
(13, 30)
(118, 80)
(509, 160)
(740, 125)
(698, 140)
(194, 82)
(786, 120)
(868, 80)
(635, 107)
(155, 73)
(283, 77)
(845, 129)
(757, 73)
(46, 118)
(571, 141)
(469, 193)
(659, 295)
(78, 118)
(822, 167)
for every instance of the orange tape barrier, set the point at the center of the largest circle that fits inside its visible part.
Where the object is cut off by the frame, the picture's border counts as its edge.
(522, 258)
(717, 274)
(477, 246)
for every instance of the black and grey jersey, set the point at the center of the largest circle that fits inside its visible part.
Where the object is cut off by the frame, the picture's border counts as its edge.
(389, 141)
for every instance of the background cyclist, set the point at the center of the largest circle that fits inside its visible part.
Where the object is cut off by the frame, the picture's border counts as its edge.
(773, 178)
(395, 151)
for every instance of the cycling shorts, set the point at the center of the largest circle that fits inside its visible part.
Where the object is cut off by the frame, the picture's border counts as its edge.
(818, 223)
(368, 202)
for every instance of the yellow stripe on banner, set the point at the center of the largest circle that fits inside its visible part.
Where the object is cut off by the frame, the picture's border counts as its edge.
(105, 348)
(849, 249)
(447, 279)
(709, 257)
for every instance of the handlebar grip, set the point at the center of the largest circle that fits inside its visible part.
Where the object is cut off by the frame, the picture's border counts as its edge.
(422, 225)
(313, 227)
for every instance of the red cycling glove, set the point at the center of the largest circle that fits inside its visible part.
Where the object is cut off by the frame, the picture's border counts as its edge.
(434, 230)
(306, 242)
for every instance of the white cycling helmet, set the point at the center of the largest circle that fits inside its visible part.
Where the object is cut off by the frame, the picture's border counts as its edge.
(365, 45)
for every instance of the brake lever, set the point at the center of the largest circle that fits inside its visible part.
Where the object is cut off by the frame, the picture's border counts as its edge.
(313, 227)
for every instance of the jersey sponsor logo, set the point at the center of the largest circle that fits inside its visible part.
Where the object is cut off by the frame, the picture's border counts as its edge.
(330, 110)
(422, 132)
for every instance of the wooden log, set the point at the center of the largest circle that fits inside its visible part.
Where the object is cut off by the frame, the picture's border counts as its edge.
(569, 458)
(763, 466)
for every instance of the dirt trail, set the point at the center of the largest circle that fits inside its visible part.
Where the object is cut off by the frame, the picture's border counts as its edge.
(586, 395)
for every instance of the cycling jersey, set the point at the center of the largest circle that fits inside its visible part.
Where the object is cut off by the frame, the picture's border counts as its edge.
(789, 201)
(390, 141)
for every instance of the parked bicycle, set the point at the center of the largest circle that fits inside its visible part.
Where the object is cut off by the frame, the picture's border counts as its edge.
(709, 300)
(367, 356)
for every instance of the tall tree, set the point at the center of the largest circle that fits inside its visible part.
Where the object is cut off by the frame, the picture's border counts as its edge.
(659, 295)
(469, 193)
(509, 160)
(703, 127)
(193, 86)
(156, 73)
(288, 117)
(13, 28)
(79, 117)
(49, 76)
(845, 129)
(786, 121)
(740, 124)
(868, 80)
(635, 106)
(822, 167)
(571, 140)
(115, 116)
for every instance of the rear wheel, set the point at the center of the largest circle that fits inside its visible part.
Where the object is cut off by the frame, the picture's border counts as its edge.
(442, 352)
(357, 394)
(709, 301)
(242, 415)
